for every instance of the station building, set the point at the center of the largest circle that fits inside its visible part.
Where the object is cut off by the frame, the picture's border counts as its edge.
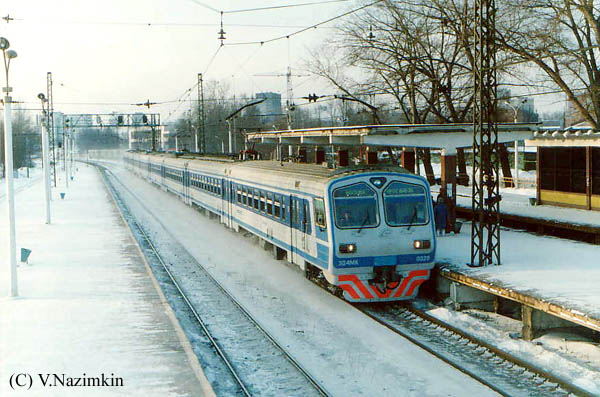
(568, 164)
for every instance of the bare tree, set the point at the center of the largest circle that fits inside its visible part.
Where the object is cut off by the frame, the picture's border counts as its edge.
(417, 54)
(562, 38)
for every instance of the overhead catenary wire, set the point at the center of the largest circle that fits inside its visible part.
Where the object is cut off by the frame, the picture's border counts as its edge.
(287, 36)
(283, 6)
(184, 98)
(264, 8)
(156, 24)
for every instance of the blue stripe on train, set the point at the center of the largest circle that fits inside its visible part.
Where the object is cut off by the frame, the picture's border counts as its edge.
(387, 260)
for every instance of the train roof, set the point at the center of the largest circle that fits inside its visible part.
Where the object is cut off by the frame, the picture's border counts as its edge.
(309, 177)
(314, 170)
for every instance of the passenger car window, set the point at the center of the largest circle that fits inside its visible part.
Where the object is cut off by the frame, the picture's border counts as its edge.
(319, 206)
(355, 206)
(405, 204)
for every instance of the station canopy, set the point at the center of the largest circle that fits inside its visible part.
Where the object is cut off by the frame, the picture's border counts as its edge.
(435, 136)
(575, 136)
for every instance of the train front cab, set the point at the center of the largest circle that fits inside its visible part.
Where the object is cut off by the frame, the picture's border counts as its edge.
(382, 236)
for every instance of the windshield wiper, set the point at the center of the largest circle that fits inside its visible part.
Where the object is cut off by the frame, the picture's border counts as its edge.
(413, 217)
(367, 219)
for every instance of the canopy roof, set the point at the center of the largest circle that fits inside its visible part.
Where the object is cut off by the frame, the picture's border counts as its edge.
(440, 136)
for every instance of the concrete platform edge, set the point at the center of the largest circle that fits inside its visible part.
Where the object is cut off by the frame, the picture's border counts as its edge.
(571, 315)
(185, 343)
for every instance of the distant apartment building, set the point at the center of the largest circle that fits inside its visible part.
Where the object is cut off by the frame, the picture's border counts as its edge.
(270, 110)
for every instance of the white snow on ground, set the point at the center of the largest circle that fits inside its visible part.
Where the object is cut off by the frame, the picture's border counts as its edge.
(87, 304)
(552, 269)
(559, 271)
(575, 360)
(516, 201)
(555, 270)
(21, 181)
(348, 352)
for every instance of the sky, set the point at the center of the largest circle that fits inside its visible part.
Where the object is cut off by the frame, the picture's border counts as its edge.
(105, 55)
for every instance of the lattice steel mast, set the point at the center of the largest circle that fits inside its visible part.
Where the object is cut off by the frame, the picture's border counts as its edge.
(485, 229)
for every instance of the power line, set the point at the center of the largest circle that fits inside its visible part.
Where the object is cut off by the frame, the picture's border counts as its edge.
(205, 6)
(283, 6)
(287, 36)
(201, 4)
(157, 24)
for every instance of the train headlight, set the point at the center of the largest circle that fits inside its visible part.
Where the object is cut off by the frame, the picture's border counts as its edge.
(421, 244)
(347, 248)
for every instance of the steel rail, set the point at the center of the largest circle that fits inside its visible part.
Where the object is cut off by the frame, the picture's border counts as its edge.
(320, 389)
(427, 348)
(547, 377)
(506, 357)
(565, 384)
(155, 252)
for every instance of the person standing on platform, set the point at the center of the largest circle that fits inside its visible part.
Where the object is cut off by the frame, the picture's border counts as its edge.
(441, 215)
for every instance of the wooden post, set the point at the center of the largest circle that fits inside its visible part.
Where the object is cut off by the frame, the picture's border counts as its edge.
(588, 177)
(506, 171)
(371, 157)
(319, 156)
(527, 331)
(407, 159)
(343, 158)
(463, 177)
(448, 161)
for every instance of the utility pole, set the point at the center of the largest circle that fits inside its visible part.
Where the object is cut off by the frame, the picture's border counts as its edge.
(202, 138)
(485, 228)
(229, 119)
(8, 55)
(50, 126)
(45, 162)
(65, 151)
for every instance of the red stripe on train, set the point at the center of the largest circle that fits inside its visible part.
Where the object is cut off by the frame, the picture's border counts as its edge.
(353, 278)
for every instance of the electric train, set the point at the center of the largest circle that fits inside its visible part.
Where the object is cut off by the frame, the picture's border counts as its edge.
(367, 232)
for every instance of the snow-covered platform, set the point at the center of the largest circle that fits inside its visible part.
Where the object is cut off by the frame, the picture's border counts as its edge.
(555, 281)
(516, 209)
(88, 309)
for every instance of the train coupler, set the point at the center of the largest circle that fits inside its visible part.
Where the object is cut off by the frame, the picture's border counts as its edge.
(384, 278)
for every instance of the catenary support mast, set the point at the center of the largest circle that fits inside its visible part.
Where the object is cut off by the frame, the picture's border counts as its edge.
(485, 229)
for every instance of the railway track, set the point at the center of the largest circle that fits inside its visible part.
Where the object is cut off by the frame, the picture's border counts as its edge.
(20, 188)
(500, 371)
(255, 362)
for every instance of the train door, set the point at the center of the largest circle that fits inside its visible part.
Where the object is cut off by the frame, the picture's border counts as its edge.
(224, 196)
(230, 204)
(298, 221)
(186, 184)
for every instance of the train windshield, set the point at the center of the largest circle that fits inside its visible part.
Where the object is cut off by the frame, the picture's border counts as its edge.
(355, 207)
(405, 204)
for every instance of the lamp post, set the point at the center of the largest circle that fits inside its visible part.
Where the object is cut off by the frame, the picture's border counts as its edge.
(65, 152)
(45, 162)
(10, 194)
(515, 110)
(232, 115)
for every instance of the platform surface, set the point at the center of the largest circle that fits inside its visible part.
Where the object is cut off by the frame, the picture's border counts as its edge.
(87, 306)
(551, 270)
(516, 202)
